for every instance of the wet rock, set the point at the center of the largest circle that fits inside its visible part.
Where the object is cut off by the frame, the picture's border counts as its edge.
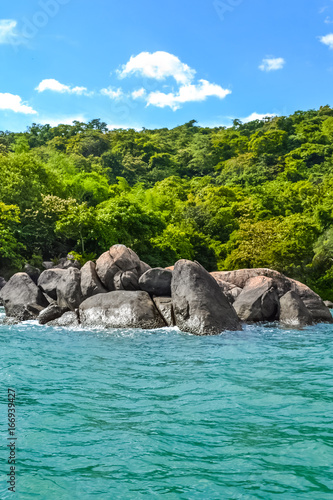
(293, 311)
(120, 309)
(90, 282)
(200, 307)
(156, 281)
(258, 301)
(67, 320)
(69, 289)
(22, 298)
(52, 312)
(48, 281)
(165, 308)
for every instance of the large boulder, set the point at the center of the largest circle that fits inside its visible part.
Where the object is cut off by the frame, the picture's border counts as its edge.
(200, 307)
(258, 301)
(126, 280)
(32, 271)
(293, 311)
(48, 281)
(157, 282)
(90, 282)
(69, 289)
(230, 290)
(319, 311)
(165, 308)
(119, 259)
(22, 298)
(120, 309)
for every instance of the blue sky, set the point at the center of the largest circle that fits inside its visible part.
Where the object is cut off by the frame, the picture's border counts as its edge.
(160, 64)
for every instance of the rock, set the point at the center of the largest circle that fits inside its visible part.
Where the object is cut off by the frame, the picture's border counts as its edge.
(22, 298)
(258, 301)
(52, 312)
(2, 282)
(200, 307)
(33, 272)
(69, 289)
(320, 312)
(230, 290)
(48, 281)
(90, 282)
(156, 281)
(165, 308)
(143, 267)
(120, 309)
(327, 303)
(69, 319)
(293, 311)
(48, 265)
(118, 259)
(240, 278)
(127, 280)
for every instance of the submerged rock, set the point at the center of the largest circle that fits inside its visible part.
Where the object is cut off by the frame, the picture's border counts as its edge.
(22, 298)
(157, 281)
(200, 306)
(293, 311)
(120, 309)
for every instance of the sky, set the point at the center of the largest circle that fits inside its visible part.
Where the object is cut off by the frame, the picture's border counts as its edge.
(161, 64)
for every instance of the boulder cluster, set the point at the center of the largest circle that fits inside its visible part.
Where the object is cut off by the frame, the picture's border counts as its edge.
(121, 291)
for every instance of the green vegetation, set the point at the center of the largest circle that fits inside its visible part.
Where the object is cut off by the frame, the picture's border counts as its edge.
(253, 195)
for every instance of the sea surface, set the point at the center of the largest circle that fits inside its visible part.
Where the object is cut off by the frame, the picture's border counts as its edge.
(134, 414)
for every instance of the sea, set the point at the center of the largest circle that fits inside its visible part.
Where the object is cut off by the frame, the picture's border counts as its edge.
(137, 414)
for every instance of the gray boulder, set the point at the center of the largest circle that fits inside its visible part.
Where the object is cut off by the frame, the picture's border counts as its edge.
(67, 320)
(327, 303)
(320, 312)
(165, 308)
(156, 281)
(69, 289)
(90, 282)
(52, 312)
(119, 259)
(293, 311)
(48, 265)
(230, 290)
(22, 298)
(200, 307)
(258, 301)
(33, 272)
(120, 309)
(48, 281)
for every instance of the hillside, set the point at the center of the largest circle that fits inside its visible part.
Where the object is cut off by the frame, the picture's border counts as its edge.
(258, 194)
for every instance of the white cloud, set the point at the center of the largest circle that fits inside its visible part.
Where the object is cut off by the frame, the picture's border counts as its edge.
(257, 116)
(187, 93)
(138, 93)
(8, 33)
(328, 20)
(14, 103)
(327, 40)
(55, 86)
(113, 94)
(158, 65)
(272, 64)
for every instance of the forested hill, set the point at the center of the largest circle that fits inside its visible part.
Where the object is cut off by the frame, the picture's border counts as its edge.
(258, 194)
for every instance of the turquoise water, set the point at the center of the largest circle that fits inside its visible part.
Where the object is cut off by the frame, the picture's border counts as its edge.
(166, 415)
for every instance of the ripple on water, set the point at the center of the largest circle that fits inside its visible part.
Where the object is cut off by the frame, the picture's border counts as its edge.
(131, 414)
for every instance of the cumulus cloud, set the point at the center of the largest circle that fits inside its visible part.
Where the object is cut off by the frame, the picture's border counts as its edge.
(158, 65)
(8, 33)
(327, 40)
(272, 64)
(14, 103)
(257, 116)
(187, 93)
(55, 86)
(112, 94)
(137, 94)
